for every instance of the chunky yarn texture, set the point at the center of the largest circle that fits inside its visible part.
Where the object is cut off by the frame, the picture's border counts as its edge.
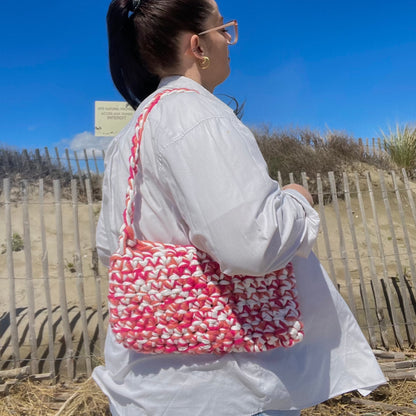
(167, 298)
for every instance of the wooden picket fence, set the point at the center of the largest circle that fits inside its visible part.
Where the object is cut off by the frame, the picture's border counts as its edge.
(53, 307)
(53, 311)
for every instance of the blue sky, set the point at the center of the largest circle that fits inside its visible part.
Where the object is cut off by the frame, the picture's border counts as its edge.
(348, 66)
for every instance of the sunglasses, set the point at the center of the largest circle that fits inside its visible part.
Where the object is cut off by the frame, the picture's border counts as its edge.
(230, 31)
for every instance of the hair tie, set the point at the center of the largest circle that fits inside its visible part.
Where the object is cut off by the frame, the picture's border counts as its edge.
(136, 5)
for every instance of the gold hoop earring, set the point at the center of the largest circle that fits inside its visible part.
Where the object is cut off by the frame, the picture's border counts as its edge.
(204, 62)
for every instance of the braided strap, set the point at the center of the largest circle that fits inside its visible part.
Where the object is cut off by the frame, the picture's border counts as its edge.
(167, 298)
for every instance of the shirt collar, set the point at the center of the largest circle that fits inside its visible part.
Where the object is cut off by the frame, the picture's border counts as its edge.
(179, 81)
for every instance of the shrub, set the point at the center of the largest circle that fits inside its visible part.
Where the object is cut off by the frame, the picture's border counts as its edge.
(32, 166)
(304, 150)
(17, 243)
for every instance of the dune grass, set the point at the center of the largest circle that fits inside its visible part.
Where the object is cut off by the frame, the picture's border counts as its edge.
(400, 145)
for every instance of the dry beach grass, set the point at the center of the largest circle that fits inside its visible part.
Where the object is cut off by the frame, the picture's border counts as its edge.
(85, 399)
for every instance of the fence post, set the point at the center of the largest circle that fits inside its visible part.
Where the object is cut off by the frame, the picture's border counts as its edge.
(97, 277)
(380, 314)
(97, 171)
(405, 297)
(364, 296)
(343, 252)
(380, 150)
(48, 159)
(325, 231)
(87, 165)
(279, 178)
(45, 272)
(360, 143)
(34, 362)
(69, 352)
(404, 228)
(80, 278)
(58, 159)
(79, 171)
(11, 276)
(25, 160)
(39, 161)
(387, 283)
(69, 162)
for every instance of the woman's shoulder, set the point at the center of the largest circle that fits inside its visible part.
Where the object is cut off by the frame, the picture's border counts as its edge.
(181, 108)
(194, 105)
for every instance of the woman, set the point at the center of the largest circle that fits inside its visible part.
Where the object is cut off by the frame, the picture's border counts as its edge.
(203, 181)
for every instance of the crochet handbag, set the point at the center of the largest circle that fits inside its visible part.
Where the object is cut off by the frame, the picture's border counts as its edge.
(167, 298)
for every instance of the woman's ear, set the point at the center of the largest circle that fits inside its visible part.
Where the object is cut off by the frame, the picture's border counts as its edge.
(195, 47)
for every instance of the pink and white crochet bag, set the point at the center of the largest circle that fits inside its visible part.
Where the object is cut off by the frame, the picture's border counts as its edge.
(167, 298)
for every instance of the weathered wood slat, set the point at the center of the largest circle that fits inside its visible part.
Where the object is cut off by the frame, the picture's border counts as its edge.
(384, 406)
(377, 290)
(19, 372)
(58, 159)
(79, 171)
(69, 352)
(46, 285)
(279, 178)
(409, 195)
(304, 177)
(389, 355)
(387, 283)
(68, 161)
(48, 159)
(364, 296)
(94, 260)
(34, 362)
(400, 375)
(97, 171)
(325, 231)
(305, 184)
(403, 288)
(392, 366)
(87, 164)
(38, 161)
(404, 229)
(10, 273)
(342, 249)
(80, 278)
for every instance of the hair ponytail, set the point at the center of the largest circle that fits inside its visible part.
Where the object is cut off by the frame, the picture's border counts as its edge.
(145, 43)
(129, 74)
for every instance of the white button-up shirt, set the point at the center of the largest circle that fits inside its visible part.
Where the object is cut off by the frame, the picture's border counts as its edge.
(203, 180)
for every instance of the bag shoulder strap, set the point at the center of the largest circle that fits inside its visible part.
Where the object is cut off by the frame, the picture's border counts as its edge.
(127, 231)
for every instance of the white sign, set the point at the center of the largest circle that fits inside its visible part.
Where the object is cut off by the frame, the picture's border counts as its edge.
(111, 117)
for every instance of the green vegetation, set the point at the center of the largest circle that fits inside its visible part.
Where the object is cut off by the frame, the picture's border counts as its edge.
(70, 265)
(400, 145)
(17, 243)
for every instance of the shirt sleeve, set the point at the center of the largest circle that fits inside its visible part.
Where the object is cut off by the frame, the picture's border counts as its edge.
(235, 212)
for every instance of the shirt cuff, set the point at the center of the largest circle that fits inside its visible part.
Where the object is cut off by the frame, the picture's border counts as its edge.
(312, 222)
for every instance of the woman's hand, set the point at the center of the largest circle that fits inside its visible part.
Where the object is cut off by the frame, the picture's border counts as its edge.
(299, 188)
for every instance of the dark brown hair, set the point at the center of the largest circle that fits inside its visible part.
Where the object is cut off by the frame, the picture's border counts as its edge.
(144, 44)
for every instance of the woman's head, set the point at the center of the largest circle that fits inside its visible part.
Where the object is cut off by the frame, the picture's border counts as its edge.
(149, 39)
